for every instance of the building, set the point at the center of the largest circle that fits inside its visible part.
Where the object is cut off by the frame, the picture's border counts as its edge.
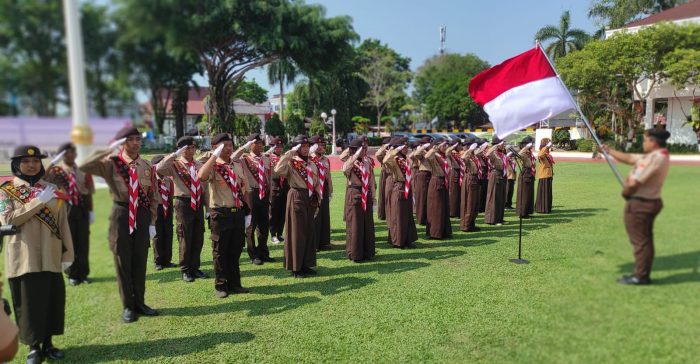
(276, 103)
(665, 105)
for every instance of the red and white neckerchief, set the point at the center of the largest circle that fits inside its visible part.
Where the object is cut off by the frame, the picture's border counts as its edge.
(133, 193)
(406, 169)
(511, 163)
(73, 188)
(549, 157)
(477, 162)
(232, 183)
(460, 163)
(533, 160)
(321, 172)
(309, 178)
(164, 190)
(364, 178)
(195, 186)
(445, 165)
(274, 159)
(261, 178)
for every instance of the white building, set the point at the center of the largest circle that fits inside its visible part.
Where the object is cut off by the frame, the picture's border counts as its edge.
(662, 106)
(276, 103)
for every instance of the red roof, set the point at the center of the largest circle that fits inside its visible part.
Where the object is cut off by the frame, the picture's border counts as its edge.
(195, 106)
(691, 9)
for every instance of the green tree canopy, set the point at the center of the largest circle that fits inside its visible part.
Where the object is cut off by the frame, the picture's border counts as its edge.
(563, 38)
(274, 126)
(251, 92)
(616, 13)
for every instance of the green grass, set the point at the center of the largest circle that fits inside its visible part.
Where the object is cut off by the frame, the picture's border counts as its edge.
(457, 300)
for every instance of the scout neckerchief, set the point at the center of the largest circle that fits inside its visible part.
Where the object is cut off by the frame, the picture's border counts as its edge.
(321, 172)
(24, 194)
(302, 167)
(477, 163)
(137, 196)
(68, 181)
(361, 167)
(444, 165)
(406, 170)
(191, 180)
(549, 157)
(231, 180)
(164, 185)
(511, 162)
(274, 159)
(458, 158)
(533, 160)
(257, 168)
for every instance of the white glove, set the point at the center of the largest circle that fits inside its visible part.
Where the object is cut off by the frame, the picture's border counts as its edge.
(181, 151)
(501, 143)
(400, 148)
(92, 217)
(152, 231)
(549, 145)
(248, 144)
(46, 195)
(217, 151)
(313, 148)
(296, 147)
(248, 220)
(65, 266)
(357, 153)
(509, 154)
(473, 146)
(118, 143)
(271, 150)
(529, 145)
(57, 158)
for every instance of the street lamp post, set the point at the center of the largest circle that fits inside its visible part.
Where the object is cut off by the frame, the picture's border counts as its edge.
(333, 112)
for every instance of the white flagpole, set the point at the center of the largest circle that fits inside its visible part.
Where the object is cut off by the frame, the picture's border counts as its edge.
(585, 120)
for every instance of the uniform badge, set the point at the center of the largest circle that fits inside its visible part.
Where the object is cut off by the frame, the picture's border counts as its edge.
(148, 173)
(30, 151)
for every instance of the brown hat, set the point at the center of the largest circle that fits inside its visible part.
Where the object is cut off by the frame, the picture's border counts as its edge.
(425, 139)
(222, 137)
(27, 151)
(276, 141)
(186, 140)
(300, 139)
(397, 141)
(356, 143)
(66, 146)
(316, 139)
(126, 132)
(254, 136)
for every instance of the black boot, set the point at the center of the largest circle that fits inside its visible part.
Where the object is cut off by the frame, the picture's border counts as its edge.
(51, 352)
(35, 356)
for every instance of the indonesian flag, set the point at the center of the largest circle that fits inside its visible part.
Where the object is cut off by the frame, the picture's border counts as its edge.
(520, 91)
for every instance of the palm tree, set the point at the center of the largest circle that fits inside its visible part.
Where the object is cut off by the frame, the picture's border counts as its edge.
(283, 71)
(564, 38)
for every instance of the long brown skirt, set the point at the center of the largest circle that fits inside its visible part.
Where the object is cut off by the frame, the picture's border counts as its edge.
(381, 208)
(544, 196)
(299, 247)
(414, 173)
(359, 226)
(455, 194)
(483, 190)
(421, 190)
(495, 198)
(526, 194)
(39, 302)
(470, 203)
(402, 227)
(438, 224)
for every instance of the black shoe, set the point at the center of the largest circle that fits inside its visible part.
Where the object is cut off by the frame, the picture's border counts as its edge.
(411, 246)
(256, 261)
(268, 260)
(129, 316)
(358, 260)
(298, 275)
(74, 282)
(221, 294)
(86, 280)
(53, 353)
(199, 274)
(145, 310)
(35, 356)
(170, 265)
(280, 238)
(239, 290)
(632, 280)
(308, 271)
(187, 277)
(159, 267)
(325, 247)
(509, 207)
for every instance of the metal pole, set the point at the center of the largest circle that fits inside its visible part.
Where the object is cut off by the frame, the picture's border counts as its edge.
(334, 146)
(81, 134)
(585, 120)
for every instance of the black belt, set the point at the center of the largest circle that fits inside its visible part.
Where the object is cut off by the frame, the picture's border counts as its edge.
(643, 199)
(227, 210)
(355, 187)
(183, 198)
(439, 177)
(300, 189)
(122, 204)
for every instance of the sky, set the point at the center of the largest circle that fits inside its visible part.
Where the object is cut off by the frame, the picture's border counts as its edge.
(493, 30)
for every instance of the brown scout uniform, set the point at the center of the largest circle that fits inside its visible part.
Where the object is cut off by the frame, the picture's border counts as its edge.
(163, 241)
(279, 187)
(471, 190)
(381, 208)
(455, 189)
(526, 184)
(511, 175)
(402, 226)
(359, 222)
(438, 224)
(322, 221)
(496, 192)
(421, 185)
(545, 174)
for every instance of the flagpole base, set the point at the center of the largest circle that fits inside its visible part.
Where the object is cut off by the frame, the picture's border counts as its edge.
(519, 261)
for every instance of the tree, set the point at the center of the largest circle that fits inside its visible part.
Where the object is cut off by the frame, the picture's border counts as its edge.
(441, 86)
(616, 13)
(284, 72)
(682, 66)
(245, 124)
(250, 91)
(294, 125)
(564, 39)
(274, 126)
(361, 126)
(232, 37)
(386, 73)
(317, 127)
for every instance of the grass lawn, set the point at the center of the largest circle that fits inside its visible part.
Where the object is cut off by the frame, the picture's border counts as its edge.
(457, 300)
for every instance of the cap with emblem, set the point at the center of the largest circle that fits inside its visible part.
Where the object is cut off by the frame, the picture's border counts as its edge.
(356, 143)
(254, 137)
(425, 139)
(300, 139)
(185, 141)
(438, 141)
(397, 141)
(27, 151)
(276, 141)
(126, 132)
(528, 139)
(495, 140)
(66, 146)
(316, 139)
(221, 137)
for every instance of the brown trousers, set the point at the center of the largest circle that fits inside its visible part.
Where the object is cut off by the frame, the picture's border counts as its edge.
(259, 226)
(471, 190)
(80, 231)
(483, 191)
(39, 302)
(299, 246)
(130, 252)
(455, 193)
(163, 241)
(438, 224)
(278, 206)
(190, 234)
(359, 224)
(421, 194)
(496, 194)
(639, 223)
(402, 227)
(227, 239)
(543, 204)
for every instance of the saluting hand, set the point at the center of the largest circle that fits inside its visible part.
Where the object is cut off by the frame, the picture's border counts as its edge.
(358, 152)
(296, 147)
(248, 144)
(47, 194)
(313, 148)
(549, 145)
(118, 143)
(217, 151)
(271, 150)
(529, 145)
(473, 146)
(57, 158)
(181, 151)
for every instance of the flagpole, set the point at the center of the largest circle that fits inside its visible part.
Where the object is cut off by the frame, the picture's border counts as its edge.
(585, 120)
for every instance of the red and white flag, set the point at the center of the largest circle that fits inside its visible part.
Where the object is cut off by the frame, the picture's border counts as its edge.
(520, 91)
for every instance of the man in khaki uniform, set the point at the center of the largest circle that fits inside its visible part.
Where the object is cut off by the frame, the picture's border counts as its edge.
(229, 214)
(132, 221)
(188, 205)
(642, 191)
(79, 187)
